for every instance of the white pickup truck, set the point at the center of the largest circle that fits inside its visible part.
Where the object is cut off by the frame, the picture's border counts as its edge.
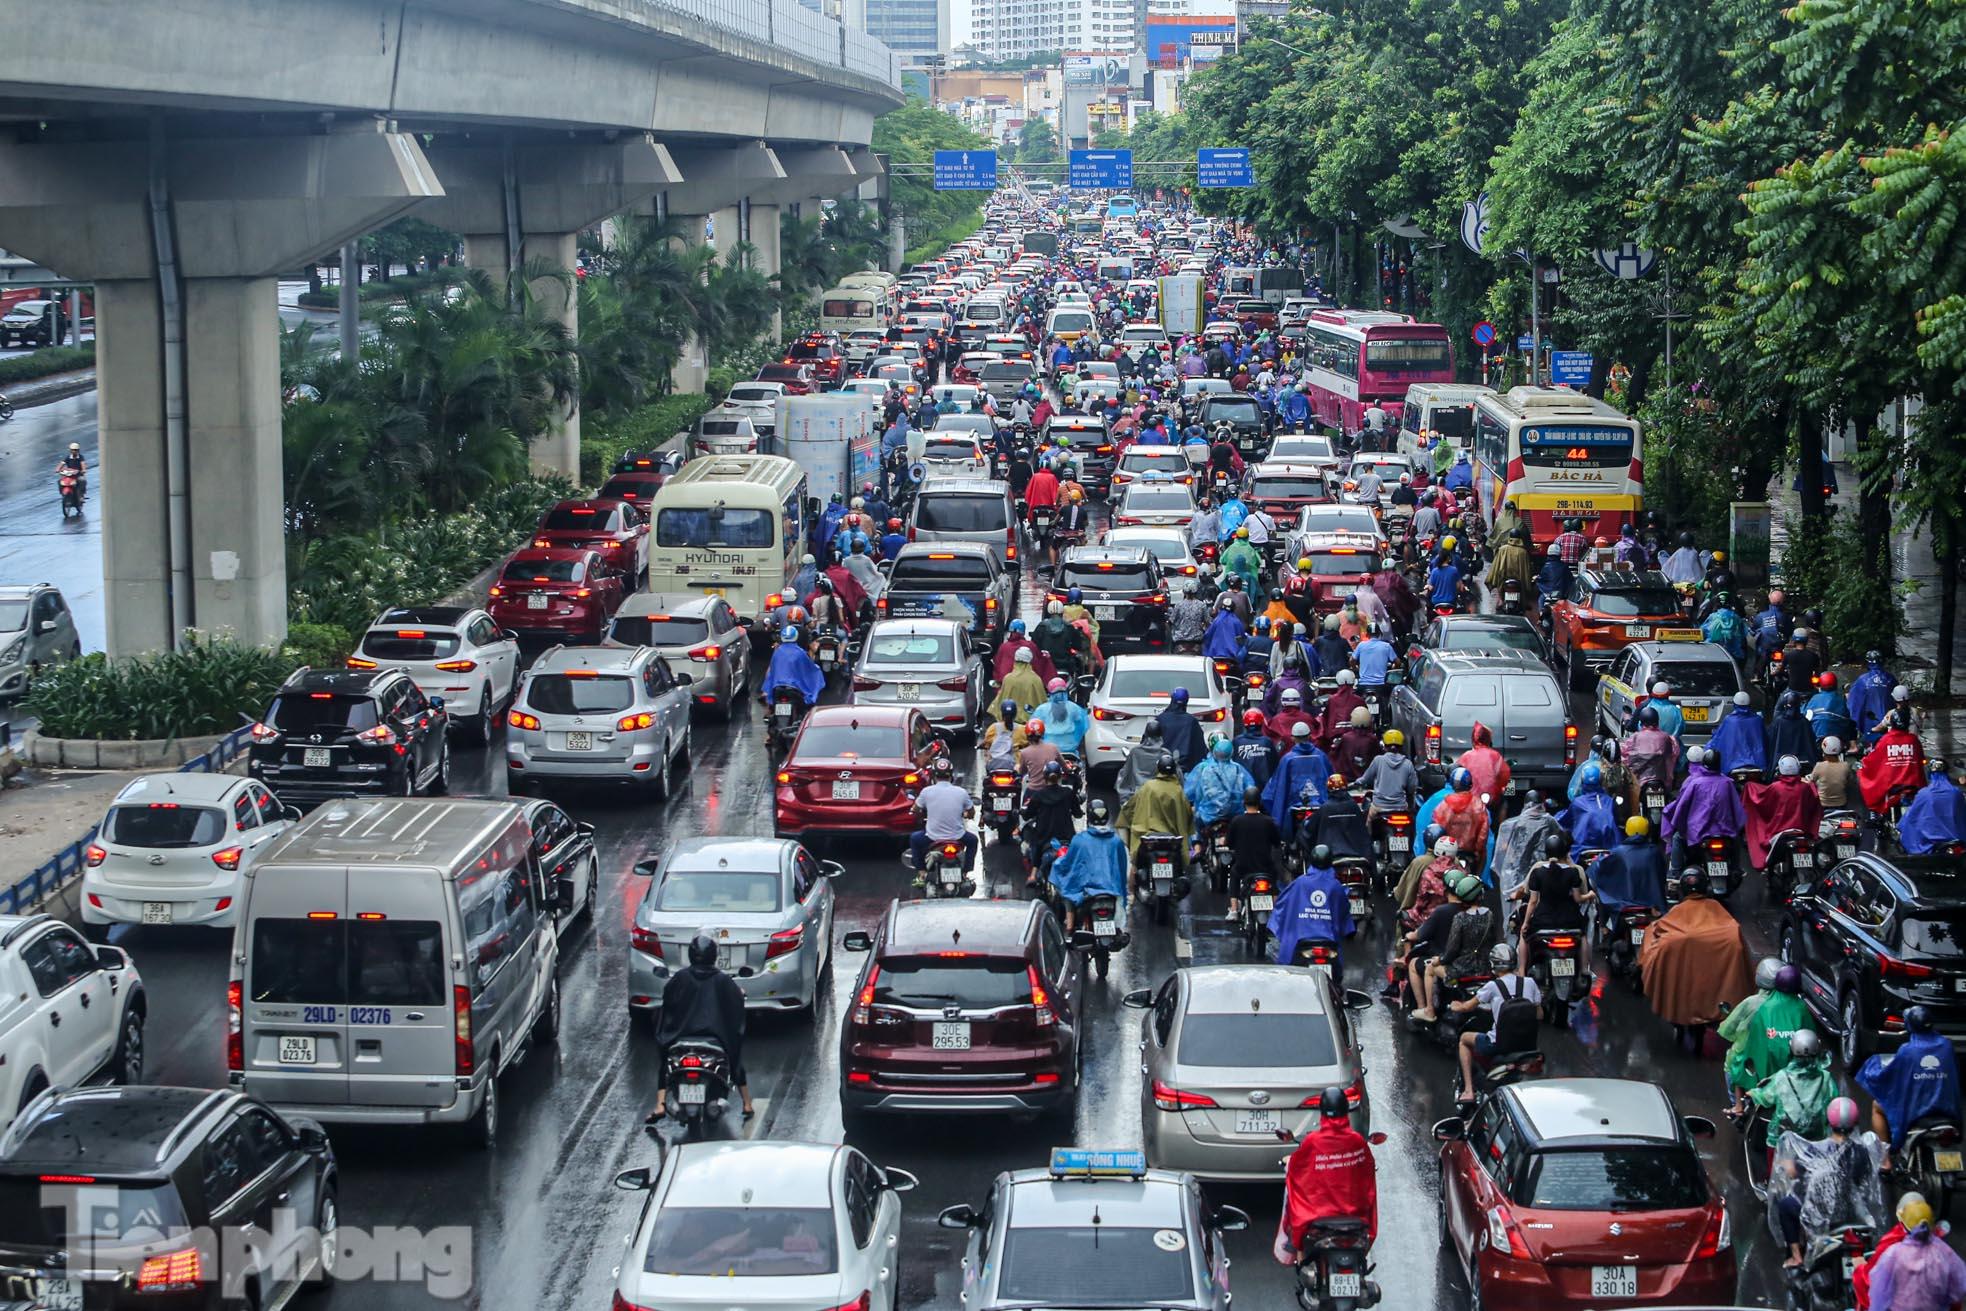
(69, 1012)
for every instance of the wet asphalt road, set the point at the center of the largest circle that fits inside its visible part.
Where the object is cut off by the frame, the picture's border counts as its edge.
(548, 1229)
(37, 545)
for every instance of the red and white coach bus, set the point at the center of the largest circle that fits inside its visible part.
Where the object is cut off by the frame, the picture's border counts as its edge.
(1361, 358)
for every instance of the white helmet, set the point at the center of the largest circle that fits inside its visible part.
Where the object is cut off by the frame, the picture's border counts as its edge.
(1447, 847)
(1662, 688)
(1832, 745)
(1788, 767)
(1901, 693)
(1346, 678)
(1742, 700)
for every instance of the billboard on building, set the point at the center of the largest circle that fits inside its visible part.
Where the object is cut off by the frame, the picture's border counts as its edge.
(1096, 68)
(1174, 42)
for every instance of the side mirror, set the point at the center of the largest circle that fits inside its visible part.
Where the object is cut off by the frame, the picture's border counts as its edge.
(1376, 1139)
(586, 830)
(563, 898)
(111, 958)
(1699, 1126)
(857, 940)
(436, 703)
(1229, 1219)
(1233, 682)
(900, 1181)
(831, 869)
(646, 867)
(957, 1217)
(634, 1181)
(1450, 1129)
(312, 1138)
(291, 814)
(1139, 999)
(1357, 1001)
(507, 635)
(49, 626)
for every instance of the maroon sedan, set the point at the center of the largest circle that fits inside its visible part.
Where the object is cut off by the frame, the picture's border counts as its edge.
(854, 769)
(618, 530)
(557, 594)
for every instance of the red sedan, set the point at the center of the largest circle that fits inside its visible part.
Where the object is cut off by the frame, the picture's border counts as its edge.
(854, 769)
(797, 379)
(617, 529)
(556, 594)
(1583, 1193)
(637, 485)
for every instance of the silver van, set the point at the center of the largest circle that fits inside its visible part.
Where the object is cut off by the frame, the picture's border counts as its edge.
(393, 957)
(1513, 693)
(966, 510)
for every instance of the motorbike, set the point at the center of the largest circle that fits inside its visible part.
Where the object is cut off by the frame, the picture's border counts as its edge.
(1556, 962)
(1000, 791)
(1653, 799)
(1164, 885)
(1332, 1268)
(1721, 857)
(1101, 913)
(828, 652)
(1511, 596)
(1791, 860)
(1829, 1266)
(696, 1072)
(1258, 897)
(1931, 1161)
(6, 409)
(782, 724)
(943, 874)
(1355, 876)
(1392, 835)
(1216, 854)
(1620, 935)
(71, 493)
(1041, 517)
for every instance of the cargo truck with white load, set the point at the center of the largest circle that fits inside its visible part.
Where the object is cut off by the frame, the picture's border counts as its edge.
(835, 438)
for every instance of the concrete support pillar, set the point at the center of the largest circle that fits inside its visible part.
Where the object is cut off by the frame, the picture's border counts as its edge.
(765, 257)
(558, 450)
(131, 476)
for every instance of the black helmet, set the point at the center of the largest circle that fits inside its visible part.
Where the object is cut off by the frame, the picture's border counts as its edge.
(1096, 813)
(1648, 715)
(1557, 844)
(1252, 796)
(1009, 709)
(1054, 769)
(1686, 539)
(1276, 594)
(1788, 979)
(1152, 729)
(1333, 1102)
(1533, 797)
(1693, 883)
(1167, 765)
(1918, 1020)
(1321, 856)
(702, 952)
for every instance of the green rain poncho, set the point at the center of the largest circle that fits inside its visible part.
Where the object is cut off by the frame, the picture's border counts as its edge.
(1761, 1044)
(1160, 806)
(1799, 1096)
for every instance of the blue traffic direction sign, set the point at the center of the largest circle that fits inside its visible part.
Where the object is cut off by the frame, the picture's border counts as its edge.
(1525, 343)
(965, 170)
(1225, 166)
(1100, 170)
(1570, 368)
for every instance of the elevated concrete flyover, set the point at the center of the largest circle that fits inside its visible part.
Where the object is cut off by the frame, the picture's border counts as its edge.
(182, 154)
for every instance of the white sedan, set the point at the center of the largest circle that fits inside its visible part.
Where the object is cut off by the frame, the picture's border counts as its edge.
(763, 1224)
(1154, 499)
(1133, 689)
(175, 849)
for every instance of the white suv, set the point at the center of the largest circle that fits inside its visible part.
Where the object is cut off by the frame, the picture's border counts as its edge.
(175, 848)
(69, 1012)
(460, 655)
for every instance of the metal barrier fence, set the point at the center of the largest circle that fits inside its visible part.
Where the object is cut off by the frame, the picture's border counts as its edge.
(51, 875)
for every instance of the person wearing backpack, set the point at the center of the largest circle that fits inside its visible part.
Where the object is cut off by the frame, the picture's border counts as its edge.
(1725, 628)
(1515, 1002)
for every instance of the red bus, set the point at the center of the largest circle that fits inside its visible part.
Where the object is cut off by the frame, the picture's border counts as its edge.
(1359, 358)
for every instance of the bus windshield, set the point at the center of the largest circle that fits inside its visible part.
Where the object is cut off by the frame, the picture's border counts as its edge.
(1408, 355)
(729, 527)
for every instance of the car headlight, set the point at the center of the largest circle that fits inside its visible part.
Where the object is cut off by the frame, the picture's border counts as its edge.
(11, 651)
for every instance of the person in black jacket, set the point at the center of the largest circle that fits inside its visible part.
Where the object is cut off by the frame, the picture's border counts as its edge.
(1050, 818)
(1339, 823)
(702, 1002)
(1180, 733)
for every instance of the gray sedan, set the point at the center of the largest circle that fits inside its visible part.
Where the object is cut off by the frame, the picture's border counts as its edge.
(1229, 1054)
(766, 902)
(926, 663)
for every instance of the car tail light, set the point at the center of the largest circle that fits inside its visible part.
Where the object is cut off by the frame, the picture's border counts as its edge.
(629, 723)
(1174, 1099)
(520, 719)
(706, 653)
(1893, 968)
(1104, 715)
(865, 684)
(1433, 744)
(785, 941)
(864, 1005)
(860, 1303)
(457, 666)
(910, 779)
(645, 940)
(467, 1055)
(1505, 1235)
(1718, 1237)
(621, 1303)
(1569, 744)
(775, 600)
(171, 1272)
(380, 735)
(264, 732)
(228, 857)
(1214, 716)
(94, 855)
(953, 684)
(1010, 541)
(881, 605)
(496, 592)
(235, 1032)
(356, 662)
(1041, 999)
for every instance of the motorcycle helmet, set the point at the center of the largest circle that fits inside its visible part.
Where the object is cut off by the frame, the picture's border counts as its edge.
(1167, 765)
(1638, 827)
(1392, 739)
(1788, 767)
(1765, 971)
(1501, 958)
(1788, 979)
(1467, 888)
(1918, 1020)
(1252, 719)
(1648, 716)
(1696, 755)
(1276, 594)
(1097, 815)
(1151, 732)
(1842, 1112)
(1334, 1103)
(702, 952)
(1445, 846)
(943, 768)
(1346, 678)
(1901, 694)
(1034, 729)
(1252, 796)
(1871, 657)
(1054, 607)
(1178, 697)
(1054, 769)
(1693, 883)
(1662, 688)
(1074, 596)
(1557, 845)
(1913, 1211)
(1335, 783)
(1686, 540)
(1218, 746)
(1056, 685)
(1832, 745)
(1460, 780)
(1300, 731)
(1321, 856)
(1610, 751)
(1742, 700)
(788, 634)
(1290, 696)
(894, 525)
(1008, 710)
(1025, 656)
(1361, 717)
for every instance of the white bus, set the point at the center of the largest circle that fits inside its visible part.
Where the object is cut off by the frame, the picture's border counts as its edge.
(730, 526)
(863, 300)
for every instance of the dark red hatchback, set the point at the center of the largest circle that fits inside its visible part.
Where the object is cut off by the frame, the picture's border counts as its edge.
(557, 594)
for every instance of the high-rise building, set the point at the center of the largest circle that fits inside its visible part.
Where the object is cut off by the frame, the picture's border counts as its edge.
(913, 29)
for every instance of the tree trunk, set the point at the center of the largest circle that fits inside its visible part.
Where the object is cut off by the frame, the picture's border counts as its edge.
(1641, 379)
(1810, 467)
(1874, 511)
(1948, 612)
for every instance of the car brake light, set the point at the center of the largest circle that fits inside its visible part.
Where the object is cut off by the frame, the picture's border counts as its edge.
(235, 1037)
(1569, 744)
(864, 684)
(1104, 715)
(467, 1057)
(629, 723)
(860, 1303)
(1433, 744)
(171, 1272)
(1718, 1237)
(520, 719)
(864, 1006)
(910, 779)
(228, 857)
(645, 940)
(356, 662)
(380, 735)
(1041, 999)
(68, 1179)
(953, 684)
(1505, 1235)
(706, 653)
(621, 1303)
(785, 941)
(1174, 1099)
(1893, 968)
(496, 592)
(1214, 716)
(264, 732)
(457, 666)
(94, 855)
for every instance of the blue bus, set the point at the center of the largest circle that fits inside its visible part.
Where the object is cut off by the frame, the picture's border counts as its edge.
(1121, 207)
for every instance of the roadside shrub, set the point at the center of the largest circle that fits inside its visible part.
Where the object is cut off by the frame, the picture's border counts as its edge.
(643, 428)
(50, 360)
(1832, 566)
(205, 686)
(318, 646)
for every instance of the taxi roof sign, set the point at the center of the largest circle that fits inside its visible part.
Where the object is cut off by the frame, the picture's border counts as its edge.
(1093, 1163)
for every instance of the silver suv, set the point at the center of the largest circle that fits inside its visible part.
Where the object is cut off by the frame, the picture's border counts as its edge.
(36, 629)
(598, 712)
(1511, 692)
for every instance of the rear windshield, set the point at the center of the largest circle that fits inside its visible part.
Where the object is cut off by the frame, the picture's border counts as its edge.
(163, 824)
(1158, 498)
(1644, 601)
(1263, 1039)
(659, 630)
(1698, 678)
(1074, 322)
(745, 891)
(1048, 1267)
(950, 449)
(725, 527)
(1118, 578)
(999, 370)
(975, 983)
(1134, 683)
(753, 395)
(1933, 935)
(741, 1241)
(919, 571)
(940, 512)
(399, 646)
(811, 351)
(34, 1214)
(321, 712)
(1276, 487)
(850, 742)
(1408, 355)
(577, 518)
(1453, 420)
(1235, 411)
(911, 649)
(1332, 562)
(543, 571)
(559, 694)
(1299, 448)
(347, 962)
(1471, 637)
(1141, 461)
(1613, 1179)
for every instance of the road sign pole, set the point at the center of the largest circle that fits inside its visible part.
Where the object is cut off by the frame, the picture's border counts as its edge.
(1535, 326)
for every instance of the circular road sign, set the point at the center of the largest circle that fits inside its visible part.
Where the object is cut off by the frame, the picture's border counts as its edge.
(1484, 332)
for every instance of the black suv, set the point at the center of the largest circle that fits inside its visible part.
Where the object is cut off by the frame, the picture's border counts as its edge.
(1123, 588)
(1874, 936)
(330, 733)
(193, 1199)
(1245, 419)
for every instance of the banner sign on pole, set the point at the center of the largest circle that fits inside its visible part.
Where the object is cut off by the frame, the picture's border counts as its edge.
(1525, 343)
(1226, 166)
(965, 170)
(1100, 170)
(1570, 368)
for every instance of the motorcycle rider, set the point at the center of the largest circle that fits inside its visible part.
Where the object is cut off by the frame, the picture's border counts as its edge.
(1187, 619)
(1339, 824)
(792, 667)
(1395, 593)
(1838, 1181)
(1256, 843)
(1591, 819)
(945, 808)
(1023, 685)
(1069, 528)
(1512, 563)
(1215, 786)
(1391, 783)
(1067, 645)
(1331, 1176)
(1789, 734)
(1035, 754)
(702, 1002)
(1064, 719)
(1227, 635)
(1787, 804)
(1800, 663)
(1762, 1047)
(1094, 864)
(1633, 873)
(1652, 754)
(1331, 651)
(1726, 629)
(1303, 770)
(1253, 748)
(1920, 1080)
(1314, 908)
(1936, 816)
(72, 464)
(1870, 695)
(1915, 1273)
(1463, 816)
(1242, 559)
(1741, 739)
(1356, 746)
(1834, 778)
(1695, 962)
(1470, 936)
(1519, 842)
(1444, 580)
(1180, 732)
(1514, 1032)
(1006, 655)
(1707, 807)
(999, 742)
(1160, 806)
(1488, 768)
(1798, 1095)
(1050, 813)
(1828, 712)
(1554, 896)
